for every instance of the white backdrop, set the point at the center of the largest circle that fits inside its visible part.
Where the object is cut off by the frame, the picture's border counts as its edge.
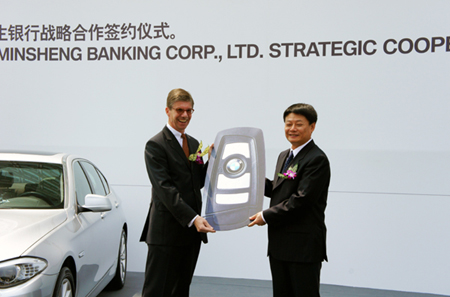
(382, 112)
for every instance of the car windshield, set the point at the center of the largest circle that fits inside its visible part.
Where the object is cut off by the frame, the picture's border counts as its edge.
(31, 185)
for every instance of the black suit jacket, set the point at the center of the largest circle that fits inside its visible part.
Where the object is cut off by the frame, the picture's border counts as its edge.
(296, 217)
(176, 197)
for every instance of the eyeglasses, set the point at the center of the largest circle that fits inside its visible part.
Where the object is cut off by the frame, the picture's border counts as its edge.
(180, 111)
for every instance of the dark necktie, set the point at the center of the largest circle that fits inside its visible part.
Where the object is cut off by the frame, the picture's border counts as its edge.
(185, 145)
(288, 160)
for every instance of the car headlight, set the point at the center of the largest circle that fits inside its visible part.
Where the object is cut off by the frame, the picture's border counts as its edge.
(17, 271)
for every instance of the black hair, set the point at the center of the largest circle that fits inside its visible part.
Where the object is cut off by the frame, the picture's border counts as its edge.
(303, 109)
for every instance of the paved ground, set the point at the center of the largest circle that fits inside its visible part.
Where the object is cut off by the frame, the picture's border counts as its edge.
(229, 287)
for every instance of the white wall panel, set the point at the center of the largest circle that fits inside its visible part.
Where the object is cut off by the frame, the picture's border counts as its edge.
(383, 118)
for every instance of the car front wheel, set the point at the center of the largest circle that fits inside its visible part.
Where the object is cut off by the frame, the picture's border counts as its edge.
(64, 284)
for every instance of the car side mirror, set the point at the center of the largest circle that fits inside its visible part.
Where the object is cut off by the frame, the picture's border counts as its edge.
(96, 203)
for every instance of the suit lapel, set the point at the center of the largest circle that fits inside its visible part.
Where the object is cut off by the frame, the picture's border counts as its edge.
(280, 164)
(175, 145)
(303, 152)
(191, 144)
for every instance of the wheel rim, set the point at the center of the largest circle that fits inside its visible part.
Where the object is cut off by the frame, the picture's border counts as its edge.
(66, 288)
(123, 257)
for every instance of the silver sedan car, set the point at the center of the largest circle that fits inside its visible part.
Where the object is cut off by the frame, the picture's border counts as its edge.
(62, 229)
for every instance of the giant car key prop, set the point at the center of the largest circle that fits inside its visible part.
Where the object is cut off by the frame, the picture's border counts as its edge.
(234, 186)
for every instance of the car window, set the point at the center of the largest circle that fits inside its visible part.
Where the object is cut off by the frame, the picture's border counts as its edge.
(31, 185)
(105, 182)
(94, 178)
(82, 187)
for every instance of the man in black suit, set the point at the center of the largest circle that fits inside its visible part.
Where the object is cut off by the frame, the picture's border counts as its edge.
(173, 229)
(296, 217)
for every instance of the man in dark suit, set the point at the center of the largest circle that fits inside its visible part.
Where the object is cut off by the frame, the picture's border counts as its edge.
(173, 229)
(296, 217)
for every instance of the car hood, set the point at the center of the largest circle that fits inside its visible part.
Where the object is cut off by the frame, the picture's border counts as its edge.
(20, 229)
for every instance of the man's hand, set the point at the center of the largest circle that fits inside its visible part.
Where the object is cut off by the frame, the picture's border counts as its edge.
(210, 150)
(256, 220)
(203, 226)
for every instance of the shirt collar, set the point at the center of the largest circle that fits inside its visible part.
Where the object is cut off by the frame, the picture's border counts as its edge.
(176, 133)
(297, 150)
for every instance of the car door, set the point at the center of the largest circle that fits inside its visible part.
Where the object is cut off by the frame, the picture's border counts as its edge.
(110, 224)
(93, 240)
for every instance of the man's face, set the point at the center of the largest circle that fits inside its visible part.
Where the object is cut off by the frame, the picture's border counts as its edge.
(297, 129)
(179, 115)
